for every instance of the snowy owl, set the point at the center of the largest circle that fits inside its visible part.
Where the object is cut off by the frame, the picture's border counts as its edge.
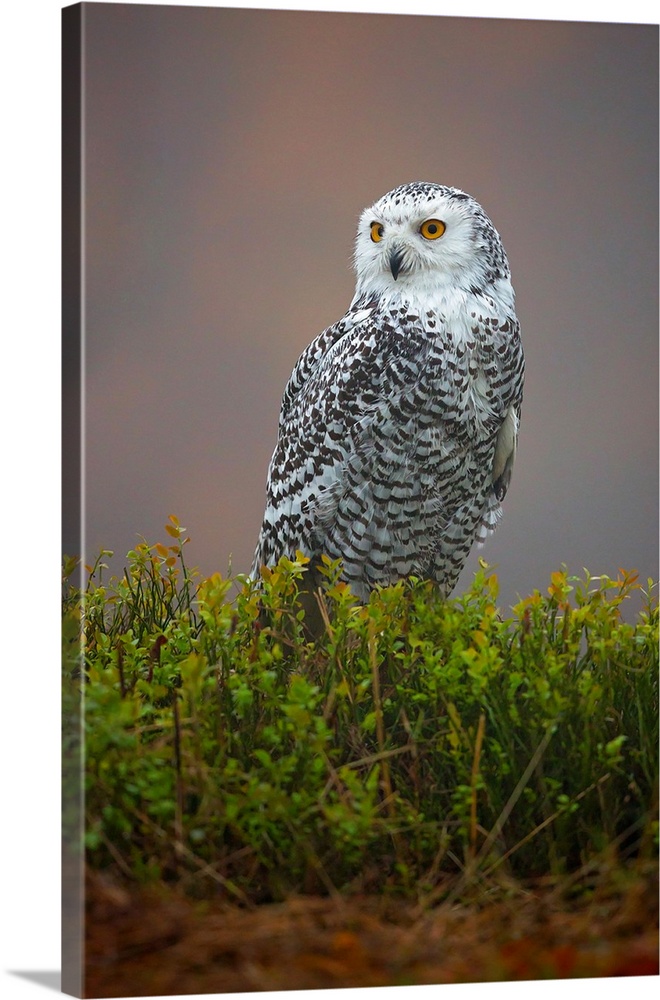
(398, 425)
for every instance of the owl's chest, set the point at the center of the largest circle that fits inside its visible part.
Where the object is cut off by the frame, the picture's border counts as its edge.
(450, 373)
(424, 401)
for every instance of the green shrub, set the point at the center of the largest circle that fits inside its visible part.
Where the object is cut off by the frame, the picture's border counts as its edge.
(416, 740)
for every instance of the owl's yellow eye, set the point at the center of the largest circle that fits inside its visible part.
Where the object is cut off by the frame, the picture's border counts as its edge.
(377, 232)
(431, 229)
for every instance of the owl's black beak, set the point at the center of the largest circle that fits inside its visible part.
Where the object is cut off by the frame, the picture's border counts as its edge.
(396, 260)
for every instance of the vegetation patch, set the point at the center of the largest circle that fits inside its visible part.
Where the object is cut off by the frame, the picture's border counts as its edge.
(421, 748)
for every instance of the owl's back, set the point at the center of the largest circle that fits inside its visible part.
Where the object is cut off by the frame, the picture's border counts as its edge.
(388, 429)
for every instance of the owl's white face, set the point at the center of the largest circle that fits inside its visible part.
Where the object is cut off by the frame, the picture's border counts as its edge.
(426, 241)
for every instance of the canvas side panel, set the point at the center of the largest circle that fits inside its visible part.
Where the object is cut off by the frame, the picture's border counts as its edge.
(72, 801)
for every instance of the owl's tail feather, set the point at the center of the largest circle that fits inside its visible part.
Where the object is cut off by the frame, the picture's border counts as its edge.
(489, 520)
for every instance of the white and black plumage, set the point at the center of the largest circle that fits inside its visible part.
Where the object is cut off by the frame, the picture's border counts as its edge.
(398, 425)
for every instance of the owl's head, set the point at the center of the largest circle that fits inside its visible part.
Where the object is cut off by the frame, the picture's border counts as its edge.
(427, 239)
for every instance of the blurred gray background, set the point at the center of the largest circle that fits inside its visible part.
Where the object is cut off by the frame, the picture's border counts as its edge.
(228, 154)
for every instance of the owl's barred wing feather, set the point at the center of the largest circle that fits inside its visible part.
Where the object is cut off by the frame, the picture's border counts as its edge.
(323, 433)
(317, 352)
(398, 425)
(505, 452)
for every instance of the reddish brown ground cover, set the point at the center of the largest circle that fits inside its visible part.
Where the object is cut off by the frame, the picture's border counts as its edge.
(156, 941)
